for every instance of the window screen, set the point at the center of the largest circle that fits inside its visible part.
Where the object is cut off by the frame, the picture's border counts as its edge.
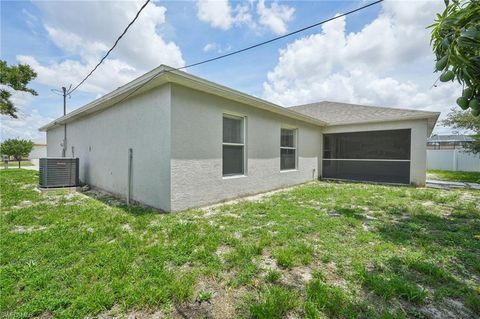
(376, 156)
(232, 129)
(391, 144)
(232, 160)
(373, 171)
(233, 145)
(287, 138)
(288, 149)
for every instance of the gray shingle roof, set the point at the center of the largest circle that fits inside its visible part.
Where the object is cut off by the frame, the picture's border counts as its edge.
(450, 138)
(335, 113)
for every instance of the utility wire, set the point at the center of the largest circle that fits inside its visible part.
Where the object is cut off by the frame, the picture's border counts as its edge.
(111, 49)
(254, 46)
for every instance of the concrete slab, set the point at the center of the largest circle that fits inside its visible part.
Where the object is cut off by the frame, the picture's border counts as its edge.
(432, 183)
(77, 189)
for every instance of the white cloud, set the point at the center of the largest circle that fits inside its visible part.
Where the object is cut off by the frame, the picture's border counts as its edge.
(110, 75)
(244, 16)
(220, 14)
(74, 44)
(388, 62)
(26, 125)
(215, 47)
(210, 47)
(275, 17)
(217, 13)
(31, 20)
(84, 32)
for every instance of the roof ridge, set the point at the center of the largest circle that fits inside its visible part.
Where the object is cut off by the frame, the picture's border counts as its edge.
(361, 105)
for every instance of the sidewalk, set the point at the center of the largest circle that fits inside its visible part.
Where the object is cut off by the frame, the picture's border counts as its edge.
(433, 183)
(33, 167)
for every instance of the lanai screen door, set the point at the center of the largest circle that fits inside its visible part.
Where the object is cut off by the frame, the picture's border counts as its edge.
(376, 156)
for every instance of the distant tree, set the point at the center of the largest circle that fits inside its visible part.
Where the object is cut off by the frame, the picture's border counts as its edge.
(16, 148)
(16, 77)
(456, 44)
(465, 120)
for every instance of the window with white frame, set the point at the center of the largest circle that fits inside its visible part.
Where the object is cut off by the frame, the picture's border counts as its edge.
(288, 149)
(233, 145)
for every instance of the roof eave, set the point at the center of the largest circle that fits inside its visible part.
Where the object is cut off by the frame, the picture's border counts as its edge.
(431, 120)
(113, 97)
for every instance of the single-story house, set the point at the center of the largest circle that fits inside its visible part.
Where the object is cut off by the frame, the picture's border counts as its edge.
(194, 142)
(449, 142)
(39, 150)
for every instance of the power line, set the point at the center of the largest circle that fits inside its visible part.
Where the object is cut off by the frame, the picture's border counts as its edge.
(111, 49)
(255, 45)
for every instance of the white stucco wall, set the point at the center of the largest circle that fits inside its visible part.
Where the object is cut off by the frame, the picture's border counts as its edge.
(54, 139)
(197, 150)
(101, 142)
(418, 148)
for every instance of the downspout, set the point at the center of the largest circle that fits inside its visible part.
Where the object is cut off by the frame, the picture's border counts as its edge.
(129, 178)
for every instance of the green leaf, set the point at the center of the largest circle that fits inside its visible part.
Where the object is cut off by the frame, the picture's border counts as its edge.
(447, 76)
(467, 93)
(462, 102)
(441, 64)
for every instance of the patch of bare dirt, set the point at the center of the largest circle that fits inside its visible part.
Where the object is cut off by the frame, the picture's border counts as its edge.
(297, 276)
(23, 204)
(233, 215)
(155, 223)
(222, 251)
(370, 217)
(28, 229)
(366, 227)
(428, 203)
(252, 198)
(267, 262)
(116, 313)
(45, 315)
(448, 309)
(330, 272)
(104, 197)
(127, 228)
(333, 213)
(468, 197)
(220, 306)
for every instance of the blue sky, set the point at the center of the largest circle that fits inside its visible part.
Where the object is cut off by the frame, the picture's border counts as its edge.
(379, 56)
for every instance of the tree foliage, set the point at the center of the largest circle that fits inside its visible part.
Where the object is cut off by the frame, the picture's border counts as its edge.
(456, 44)
(465, 120)
(16, 77)
(16, 148)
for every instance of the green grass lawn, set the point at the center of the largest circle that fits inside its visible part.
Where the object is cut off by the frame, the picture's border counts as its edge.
(322, 250)
(471, 177)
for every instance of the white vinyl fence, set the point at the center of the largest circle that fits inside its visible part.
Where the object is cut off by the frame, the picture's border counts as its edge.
(453, 160)
(38, 151)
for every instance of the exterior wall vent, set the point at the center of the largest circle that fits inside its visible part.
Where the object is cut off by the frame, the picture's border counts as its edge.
(58, 172)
